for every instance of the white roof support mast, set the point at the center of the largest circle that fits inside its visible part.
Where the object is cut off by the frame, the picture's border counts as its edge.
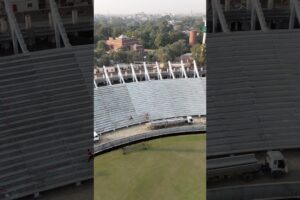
(159, 76)
(171, 70)
(295, 12)
(17, 37)
(120, 75)
(58, 26)
(147, 77)
(95, 84)
(183, 72)
(106, 76)
(196, 72)
(134, 78)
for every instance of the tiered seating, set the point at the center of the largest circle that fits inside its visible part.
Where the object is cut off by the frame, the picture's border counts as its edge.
(120, 105)
(169, 98)
(267, 191)
(253, 98)
(45, 123)
(113, 108)
(84, 57)
(230, 165)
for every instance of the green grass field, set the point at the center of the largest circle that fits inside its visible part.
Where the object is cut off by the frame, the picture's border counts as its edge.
(170, 169)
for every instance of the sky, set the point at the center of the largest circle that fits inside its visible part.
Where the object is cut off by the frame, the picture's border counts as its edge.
(149, 6)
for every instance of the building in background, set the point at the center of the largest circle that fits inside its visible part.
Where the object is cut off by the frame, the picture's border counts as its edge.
(124, 42)
(193, 38)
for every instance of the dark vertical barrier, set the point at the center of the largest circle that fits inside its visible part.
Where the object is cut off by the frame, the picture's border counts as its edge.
(46, 99)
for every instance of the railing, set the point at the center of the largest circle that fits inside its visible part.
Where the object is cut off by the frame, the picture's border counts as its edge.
(191, 129)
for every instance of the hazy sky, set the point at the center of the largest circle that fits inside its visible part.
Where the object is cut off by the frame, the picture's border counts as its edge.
(149, 6)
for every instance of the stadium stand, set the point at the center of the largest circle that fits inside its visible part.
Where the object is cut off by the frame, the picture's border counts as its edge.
(45, 98)
(269, 191)
(43, 126)
(253, 102)
(252, 98)
(122, 105)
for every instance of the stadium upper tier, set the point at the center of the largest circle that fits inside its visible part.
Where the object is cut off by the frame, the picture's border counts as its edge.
(45, 120)
(38, 25)
(122, 105)
(253, 91)
(249, 15)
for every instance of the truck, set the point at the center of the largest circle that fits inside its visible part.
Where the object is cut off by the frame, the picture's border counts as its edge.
(96, 137)
(165, 123)
(247, 166)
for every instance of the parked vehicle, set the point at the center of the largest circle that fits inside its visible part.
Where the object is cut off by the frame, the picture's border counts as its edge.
(247, 166)
(96, 137)
(165, 123)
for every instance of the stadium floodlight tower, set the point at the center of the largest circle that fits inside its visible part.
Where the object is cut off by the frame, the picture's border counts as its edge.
(183, 72)
(196, 72)
(159, 76)
(134, 78)
(120, 75)
(17, 37)
(147, 77)
(106, 76)
(171, 70)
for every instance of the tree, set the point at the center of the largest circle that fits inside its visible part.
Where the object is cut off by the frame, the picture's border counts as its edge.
(199, 54)
(101, 45)
(103, 60)
(178, 48)
(163, 55)
(100, 49)
(161, 39)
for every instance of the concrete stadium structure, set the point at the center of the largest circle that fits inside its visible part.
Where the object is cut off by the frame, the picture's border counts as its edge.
(144, 72)
(123, 105)
(45, 101)
(252, 97)
(50, 25)
(253, 103)
(149, 135)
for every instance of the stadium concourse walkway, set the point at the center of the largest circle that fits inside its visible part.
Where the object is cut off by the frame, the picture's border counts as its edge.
(123, 105)
(253, 91)
(45, 119)
(138, 133)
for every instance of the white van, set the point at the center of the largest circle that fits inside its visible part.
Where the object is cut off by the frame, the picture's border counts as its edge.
(96, 137)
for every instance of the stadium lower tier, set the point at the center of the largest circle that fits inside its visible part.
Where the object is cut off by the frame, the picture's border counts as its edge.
(123, 105)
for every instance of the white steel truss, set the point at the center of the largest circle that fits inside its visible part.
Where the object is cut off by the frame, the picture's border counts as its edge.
(106, 76)
(219, 15)
(59, 28)
(17, 37)
(159, 76)
(183, 72)
(294, 12)
(120, 75)
(196, 72)
(147, 77)
(134, 78)
(171, 70)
